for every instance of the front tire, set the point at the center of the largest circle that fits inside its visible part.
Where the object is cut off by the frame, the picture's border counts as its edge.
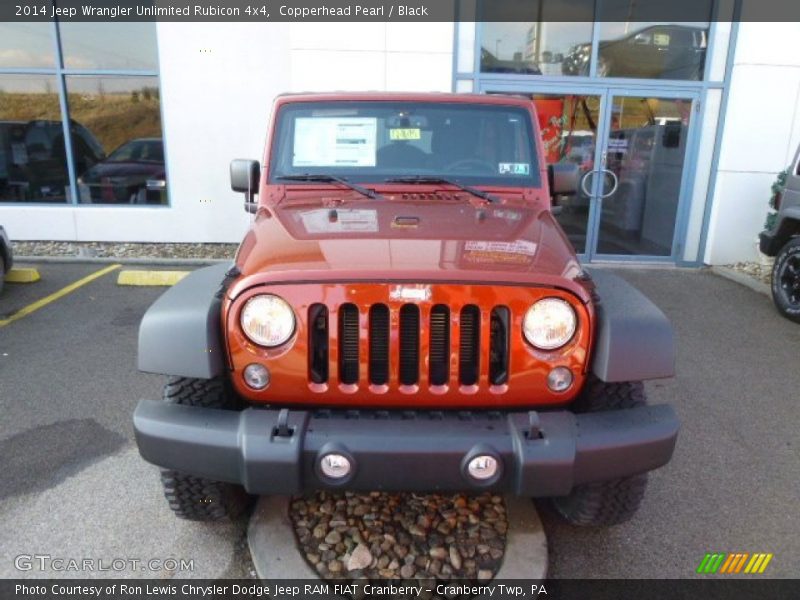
(196, 498)
(786, 280)
(610, 502)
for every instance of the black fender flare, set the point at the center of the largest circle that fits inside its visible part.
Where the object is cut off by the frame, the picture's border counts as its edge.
(180, 334)
(634, 340)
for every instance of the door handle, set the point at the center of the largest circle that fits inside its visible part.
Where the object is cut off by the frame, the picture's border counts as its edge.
(613, 187)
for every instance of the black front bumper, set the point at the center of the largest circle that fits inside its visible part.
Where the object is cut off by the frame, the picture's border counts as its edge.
(769, 243)
(278, 452)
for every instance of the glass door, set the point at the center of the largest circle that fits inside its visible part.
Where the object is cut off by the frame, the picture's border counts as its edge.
(631, 147)
(569, 125)
(639, 182)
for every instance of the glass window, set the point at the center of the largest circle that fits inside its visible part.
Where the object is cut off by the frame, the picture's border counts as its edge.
(124, 46)
(653, 50)
(33, 164)
(633, 44)
(548, 45)
(116, 139)
(373, 141)
(26, 45)
(546, 48)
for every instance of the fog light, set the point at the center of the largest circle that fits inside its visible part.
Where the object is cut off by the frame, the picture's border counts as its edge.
(482, 467)
(256, 376)
(559, 379)
(335, 466)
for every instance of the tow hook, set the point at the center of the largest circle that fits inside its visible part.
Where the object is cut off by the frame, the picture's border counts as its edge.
(282, 430)
(534, 426)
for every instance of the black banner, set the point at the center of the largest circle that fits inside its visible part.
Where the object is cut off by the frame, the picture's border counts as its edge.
(408, 10)
(710, 588)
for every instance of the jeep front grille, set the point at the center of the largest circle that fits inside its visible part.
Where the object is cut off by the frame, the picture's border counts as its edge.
(469, 345)
(379, 344)
(439, 347)
(409, 344)
(388, 341)
(348, 344)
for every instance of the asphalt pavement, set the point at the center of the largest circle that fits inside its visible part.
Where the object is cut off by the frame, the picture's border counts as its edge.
(73, 486)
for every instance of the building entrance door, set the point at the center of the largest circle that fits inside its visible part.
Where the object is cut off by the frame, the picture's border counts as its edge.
(631, 150)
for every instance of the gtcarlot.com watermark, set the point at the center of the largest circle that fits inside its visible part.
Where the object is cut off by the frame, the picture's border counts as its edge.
(60, 564)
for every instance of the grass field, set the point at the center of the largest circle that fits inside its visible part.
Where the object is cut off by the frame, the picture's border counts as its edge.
(113, 118)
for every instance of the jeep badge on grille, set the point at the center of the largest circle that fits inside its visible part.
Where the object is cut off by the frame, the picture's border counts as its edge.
(410, 293)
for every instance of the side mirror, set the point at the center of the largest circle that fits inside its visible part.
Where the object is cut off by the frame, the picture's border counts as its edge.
(245, 176)
(563, 179)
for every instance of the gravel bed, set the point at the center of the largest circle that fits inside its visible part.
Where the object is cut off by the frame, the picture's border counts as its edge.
(124, 250)
(758, 271)
(405, 536)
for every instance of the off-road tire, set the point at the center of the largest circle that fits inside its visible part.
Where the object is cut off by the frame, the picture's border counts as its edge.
(786, 280)
(607, 502)
(196, 498)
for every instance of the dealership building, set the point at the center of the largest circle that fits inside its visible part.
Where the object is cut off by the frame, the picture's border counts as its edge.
(123, 132)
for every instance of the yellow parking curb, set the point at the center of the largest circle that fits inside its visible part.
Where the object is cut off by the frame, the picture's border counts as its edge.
(150, 278)
(22, 275)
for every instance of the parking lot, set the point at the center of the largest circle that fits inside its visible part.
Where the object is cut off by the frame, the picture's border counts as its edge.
(72, 484)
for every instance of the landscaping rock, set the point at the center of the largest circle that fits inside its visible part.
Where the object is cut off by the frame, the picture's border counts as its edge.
(411, 536)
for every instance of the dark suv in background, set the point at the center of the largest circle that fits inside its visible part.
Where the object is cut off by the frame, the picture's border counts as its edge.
(134, 173)
(656, 52)
(33, 159)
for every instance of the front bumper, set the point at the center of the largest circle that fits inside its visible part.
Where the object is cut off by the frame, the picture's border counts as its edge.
(768, 243)
(277, 451)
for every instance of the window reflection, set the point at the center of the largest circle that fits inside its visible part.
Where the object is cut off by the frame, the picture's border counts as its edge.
(26, 45)
(123, 46)
(653, 51)
(32, 150)
(122, 115)
(531, 48)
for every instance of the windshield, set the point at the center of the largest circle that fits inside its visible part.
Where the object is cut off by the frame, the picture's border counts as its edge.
(370, 142)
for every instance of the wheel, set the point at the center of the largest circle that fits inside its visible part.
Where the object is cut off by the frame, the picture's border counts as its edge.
(191, 497)
(786, 280)
(617, 500)
(2, 273)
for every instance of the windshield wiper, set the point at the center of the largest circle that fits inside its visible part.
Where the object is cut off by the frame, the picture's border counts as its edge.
(331, 178)
(464, 188)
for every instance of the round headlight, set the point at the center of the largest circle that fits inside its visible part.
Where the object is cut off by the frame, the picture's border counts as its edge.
(268, 320)
(549, 324)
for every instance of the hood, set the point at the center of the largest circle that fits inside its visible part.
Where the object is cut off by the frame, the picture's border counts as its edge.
(411, 237)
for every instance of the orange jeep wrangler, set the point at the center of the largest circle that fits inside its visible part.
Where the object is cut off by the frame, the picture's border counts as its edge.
(405, 314)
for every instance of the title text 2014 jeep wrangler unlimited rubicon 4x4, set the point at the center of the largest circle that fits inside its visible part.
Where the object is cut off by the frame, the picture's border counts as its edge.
(405, 314)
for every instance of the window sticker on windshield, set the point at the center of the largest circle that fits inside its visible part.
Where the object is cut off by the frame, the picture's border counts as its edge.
(348, 221)
(405, 134)
(335, 142)
(514, 168)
